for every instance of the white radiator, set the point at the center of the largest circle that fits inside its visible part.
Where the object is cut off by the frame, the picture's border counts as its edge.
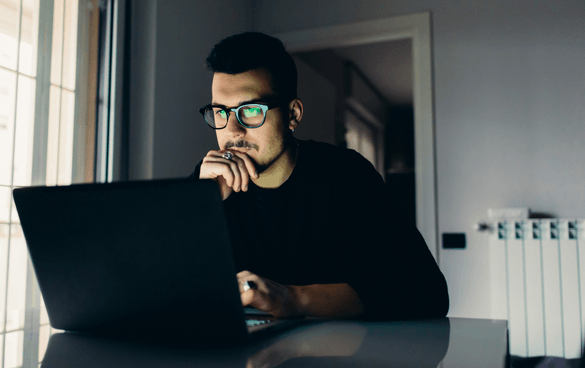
(538, 284)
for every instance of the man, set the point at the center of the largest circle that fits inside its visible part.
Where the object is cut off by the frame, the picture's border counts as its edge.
(312, 225)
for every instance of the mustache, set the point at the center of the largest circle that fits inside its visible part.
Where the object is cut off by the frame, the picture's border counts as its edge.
(241, 144)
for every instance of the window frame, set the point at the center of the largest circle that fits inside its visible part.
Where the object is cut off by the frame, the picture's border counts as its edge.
(83, 130)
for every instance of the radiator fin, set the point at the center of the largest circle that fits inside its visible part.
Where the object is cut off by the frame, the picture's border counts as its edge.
(537, 283)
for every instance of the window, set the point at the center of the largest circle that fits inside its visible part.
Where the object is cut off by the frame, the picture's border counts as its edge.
(360, 137)
(364, 133)
(45, 122)
(365, 111)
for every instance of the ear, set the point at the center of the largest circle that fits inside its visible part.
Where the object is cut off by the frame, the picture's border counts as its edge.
(295, 109)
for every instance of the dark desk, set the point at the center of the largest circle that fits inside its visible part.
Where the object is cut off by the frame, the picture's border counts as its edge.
(449, 342)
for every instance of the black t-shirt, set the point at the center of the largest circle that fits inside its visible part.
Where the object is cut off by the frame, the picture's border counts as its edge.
(334, 221)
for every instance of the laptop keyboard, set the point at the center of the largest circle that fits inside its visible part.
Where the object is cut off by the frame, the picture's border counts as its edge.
(257, 322)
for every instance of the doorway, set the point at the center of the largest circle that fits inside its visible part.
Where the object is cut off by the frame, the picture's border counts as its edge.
(417, 28)
(360, 97)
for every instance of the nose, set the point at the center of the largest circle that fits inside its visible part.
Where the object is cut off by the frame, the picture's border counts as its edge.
(233, 125)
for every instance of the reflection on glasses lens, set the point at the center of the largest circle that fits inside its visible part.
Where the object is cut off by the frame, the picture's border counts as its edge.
(249, 115)
(210, 115)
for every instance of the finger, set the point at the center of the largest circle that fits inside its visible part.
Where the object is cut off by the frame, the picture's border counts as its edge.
(233, 165)
(241, 165)
(230, 167)
(247, 297)
(246, 285)
(250, 277)
(216, 167)
(256, 299)
(244, 273)
(256, 283)
(260, 283)
(241, 278)
(248, 280)
(250, 167)
(243, 171)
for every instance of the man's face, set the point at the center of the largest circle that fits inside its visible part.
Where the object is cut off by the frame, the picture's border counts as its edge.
(265, 144)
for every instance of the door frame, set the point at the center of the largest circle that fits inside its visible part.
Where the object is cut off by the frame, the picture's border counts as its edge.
(416, 27)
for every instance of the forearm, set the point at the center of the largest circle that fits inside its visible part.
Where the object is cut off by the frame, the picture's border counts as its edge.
(328, 300)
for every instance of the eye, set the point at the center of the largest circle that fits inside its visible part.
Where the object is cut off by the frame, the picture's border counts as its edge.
(221, 114)
(250, 112)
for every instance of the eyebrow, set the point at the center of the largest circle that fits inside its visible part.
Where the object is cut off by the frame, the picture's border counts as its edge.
(256, 100)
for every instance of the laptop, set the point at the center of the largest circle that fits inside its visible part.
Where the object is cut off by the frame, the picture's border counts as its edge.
(144, 259)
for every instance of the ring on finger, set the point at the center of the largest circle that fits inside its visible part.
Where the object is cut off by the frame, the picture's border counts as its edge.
(228, 155)
(247, 285)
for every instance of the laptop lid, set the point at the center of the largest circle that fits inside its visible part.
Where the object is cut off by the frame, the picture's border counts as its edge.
(149, 259)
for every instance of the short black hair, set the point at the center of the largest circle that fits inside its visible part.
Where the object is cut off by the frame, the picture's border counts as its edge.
(254, 50)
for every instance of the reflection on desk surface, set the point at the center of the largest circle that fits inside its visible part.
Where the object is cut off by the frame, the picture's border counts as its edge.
(447, 342)
(352, 344)
(318, 343)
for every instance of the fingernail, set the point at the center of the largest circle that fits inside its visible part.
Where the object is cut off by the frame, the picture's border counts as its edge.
(245, 188)
(256, 175)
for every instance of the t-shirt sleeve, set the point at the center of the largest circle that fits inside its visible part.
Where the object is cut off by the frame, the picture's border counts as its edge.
(196, 171)
(390, 268)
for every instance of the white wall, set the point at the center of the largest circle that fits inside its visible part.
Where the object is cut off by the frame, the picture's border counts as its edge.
(510, 112)
(169, 83)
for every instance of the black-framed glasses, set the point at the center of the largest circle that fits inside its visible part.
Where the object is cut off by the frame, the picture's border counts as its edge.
(249, 115)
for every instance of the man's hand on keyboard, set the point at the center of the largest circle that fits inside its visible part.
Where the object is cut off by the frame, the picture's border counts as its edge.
(269, 296)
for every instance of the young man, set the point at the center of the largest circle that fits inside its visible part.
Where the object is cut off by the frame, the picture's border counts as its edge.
(312, 225)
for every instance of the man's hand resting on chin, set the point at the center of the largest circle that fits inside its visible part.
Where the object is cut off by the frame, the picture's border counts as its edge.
(232, 175)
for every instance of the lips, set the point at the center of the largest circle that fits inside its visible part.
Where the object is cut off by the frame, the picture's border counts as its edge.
(238, 149)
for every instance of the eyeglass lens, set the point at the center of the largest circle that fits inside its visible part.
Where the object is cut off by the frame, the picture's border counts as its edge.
(250, 115)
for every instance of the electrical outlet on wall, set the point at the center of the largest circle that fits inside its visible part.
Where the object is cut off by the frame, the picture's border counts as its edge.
(454, 241)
